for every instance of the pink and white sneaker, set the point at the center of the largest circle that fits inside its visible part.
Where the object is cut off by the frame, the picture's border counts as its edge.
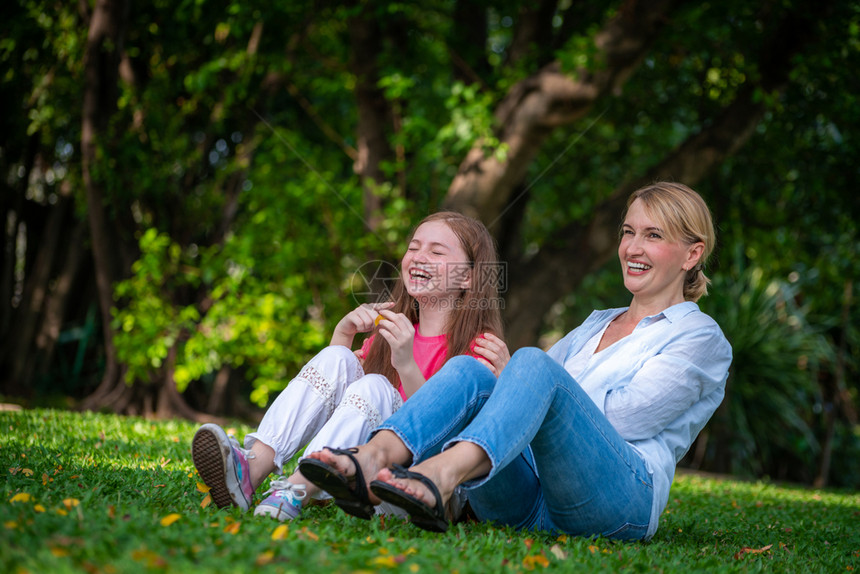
(223, 466)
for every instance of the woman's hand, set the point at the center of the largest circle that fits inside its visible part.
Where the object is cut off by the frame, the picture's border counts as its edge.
(359, 320)
(492, 352)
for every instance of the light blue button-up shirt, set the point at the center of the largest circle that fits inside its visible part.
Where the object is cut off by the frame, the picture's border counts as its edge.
(658, 386)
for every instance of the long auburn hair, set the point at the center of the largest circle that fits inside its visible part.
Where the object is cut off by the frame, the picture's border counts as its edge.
(477, 308)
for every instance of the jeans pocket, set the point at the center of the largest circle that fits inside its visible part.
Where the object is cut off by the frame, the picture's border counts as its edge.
(628, 531)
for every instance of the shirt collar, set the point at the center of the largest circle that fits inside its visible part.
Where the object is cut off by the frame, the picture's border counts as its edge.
(679, 311)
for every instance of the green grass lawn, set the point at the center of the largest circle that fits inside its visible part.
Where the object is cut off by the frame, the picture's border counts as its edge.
(98, 493)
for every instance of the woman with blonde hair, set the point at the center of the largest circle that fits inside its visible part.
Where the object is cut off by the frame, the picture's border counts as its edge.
(584, 438)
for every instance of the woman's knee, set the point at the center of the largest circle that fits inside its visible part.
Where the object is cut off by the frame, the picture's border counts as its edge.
(465, 370)
(528, 356)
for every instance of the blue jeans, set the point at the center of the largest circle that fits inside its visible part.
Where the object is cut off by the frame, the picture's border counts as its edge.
(557, 462)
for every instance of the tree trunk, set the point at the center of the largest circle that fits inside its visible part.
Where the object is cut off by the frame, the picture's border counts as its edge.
(55, 306)
(374, 114)
(101, 64)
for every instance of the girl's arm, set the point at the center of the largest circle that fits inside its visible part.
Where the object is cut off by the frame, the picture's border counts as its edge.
(359, 320)
(400, 334)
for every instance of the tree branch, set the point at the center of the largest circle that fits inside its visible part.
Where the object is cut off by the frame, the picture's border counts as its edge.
(550, 98)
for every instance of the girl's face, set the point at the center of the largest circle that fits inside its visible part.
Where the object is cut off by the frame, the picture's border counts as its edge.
(435, 266)
(653, 266)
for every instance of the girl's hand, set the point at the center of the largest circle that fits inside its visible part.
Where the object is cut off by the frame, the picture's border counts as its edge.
(359, 320)
(492, 352)
(398, 330)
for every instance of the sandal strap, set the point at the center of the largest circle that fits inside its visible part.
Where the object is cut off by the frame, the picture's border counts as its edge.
(400, 471)
(358, 477)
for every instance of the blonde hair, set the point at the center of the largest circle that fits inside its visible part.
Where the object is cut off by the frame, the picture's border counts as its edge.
(476, 311)
(683, 216)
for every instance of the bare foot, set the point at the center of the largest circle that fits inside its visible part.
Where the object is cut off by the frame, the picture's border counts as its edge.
(344, 465)
(418, 489)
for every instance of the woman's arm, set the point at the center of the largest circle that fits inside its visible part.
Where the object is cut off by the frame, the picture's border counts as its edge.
(669, 384)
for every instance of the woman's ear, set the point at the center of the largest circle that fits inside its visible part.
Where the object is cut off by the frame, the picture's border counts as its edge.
(694, 254)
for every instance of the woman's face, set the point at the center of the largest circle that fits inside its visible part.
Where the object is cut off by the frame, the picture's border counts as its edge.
(653, 266)
(435, 266)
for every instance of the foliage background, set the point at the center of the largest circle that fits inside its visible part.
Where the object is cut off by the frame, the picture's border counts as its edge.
(183, 245)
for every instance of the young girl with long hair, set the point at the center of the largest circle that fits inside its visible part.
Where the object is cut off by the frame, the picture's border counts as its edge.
(445, 303)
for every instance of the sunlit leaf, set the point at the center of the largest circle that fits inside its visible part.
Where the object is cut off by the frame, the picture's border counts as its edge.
(529, 562)
(280, 532)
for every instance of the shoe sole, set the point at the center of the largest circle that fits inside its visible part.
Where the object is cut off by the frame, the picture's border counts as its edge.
(273, 512)
(420, 514)
(210, 459)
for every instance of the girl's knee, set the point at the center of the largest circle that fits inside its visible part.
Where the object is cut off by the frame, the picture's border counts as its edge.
(337, 353)
(374, 387)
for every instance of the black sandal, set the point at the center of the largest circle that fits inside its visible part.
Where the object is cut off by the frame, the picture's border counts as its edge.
(352, 500)
(422, 516)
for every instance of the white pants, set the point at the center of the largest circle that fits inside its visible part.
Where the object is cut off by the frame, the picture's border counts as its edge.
(331, 402)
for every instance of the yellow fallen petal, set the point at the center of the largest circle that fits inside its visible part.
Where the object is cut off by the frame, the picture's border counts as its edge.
(170, 519)
(70, 503)
(59, 552)
(61, 512)
(10, 524)
(206, 501)
(202, 487)
(386, 561)
(27, 472)
(21, 497)
(232, 528)
(310, 534)
(39, 508)
(414, 568)
(264, 558)
(280, 532)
